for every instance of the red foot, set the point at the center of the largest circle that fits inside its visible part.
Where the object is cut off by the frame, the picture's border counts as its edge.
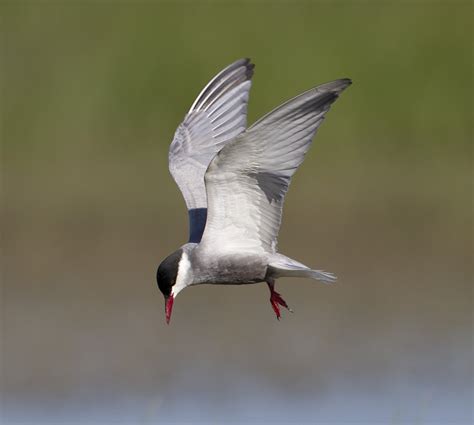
(276, 300)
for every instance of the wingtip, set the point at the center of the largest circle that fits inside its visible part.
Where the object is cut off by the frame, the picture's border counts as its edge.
(238, 72)
(250, 71)
(243, 62)
(249, 66)
(341, 84)
(335, 87)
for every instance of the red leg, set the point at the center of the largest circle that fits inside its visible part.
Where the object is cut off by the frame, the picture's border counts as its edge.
(276, 300)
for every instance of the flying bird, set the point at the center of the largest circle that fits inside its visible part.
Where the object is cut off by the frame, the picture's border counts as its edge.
(234, 180)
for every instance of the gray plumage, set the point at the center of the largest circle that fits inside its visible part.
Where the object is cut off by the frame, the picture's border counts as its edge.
(247, 180)
(216, 117)
(234, 181)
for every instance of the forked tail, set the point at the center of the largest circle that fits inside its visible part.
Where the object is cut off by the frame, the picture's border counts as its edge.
(282, 266)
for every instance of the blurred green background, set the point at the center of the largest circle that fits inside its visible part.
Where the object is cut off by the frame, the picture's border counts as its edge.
(91, 95)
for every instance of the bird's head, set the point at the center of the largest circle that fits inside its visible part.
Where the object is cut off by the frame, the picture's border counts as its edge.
(172, 276)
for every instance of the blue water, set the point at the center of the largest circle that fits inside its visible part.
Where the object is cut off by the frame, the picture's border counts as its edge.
(246, 404)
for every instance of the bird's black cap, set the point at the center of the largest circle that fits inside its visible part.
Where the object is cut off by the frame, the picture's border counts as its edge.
(168, 272)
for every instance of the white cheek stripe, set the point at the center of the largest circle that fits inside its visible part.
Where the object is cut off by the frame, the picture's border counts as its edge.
(183, 277)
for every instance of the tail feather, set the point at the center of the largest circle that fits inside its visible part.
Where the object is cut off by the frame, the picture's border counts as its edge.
(282, 266)
(323, 276)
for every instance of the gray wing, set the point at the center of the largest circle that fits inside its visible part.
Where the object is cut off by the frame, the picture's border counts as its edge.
(217, 116)
(247, 180)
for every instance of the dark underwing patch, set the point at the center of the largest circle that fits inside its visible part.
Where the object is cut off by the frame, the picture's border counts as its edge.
(273, 185)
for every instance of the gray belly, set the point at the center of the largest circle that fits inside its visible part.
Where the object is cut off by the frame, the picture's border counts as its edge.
(236, 269)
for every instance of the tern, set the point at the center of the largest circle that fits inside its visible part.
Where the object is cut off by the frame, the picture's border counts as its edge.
(234, 180)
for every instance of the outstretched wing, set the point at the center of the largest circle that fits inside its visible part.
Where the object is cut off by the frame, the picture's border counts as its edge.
(247, 180)
(217, 116)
